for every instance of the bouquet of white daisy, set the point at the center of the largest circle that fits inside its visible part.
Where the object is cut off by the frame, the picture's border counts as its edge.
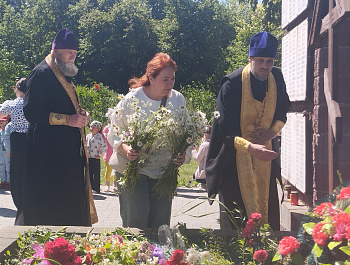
(132, 125)
(184, 129)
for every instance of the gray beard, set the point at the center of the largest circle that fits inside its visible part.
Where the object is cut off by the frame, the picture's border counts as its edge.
(67, 69)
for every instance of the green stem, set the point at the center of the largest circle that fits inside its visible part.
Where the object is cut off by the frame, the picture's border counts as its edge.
(51, 260)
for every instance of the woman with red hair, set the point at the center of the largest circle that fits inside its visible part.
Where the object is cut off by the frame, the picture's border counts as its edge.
(143, 208)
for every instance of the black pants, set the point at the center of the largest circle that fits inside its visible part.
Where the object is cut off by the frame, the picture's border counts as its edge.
(94, 170)
(18, 165)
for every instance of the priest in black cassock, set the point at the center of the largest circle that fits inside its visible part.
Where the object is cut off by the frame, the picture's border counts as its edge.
(242, 165)
(57, 190)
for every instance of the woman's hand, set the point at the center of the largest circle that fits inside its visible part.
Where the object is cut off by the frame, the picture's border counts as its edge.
(179, 160)
(131, 154)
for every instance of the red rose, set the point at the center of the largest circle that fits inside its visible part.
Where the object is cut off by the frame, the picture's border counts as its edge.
(176, 258)
(288, 245)
(318, 235)
(97, 87)
(260, 255)
(344, 193)
(60, 250)
(255, 216)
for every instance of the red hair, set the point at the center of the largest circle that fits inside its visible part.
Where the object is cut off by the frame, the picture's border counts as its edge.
(154, 67)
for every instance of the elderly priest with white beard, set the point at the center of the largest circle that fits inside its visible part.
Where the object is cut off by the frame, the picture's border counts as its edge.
(57, 189)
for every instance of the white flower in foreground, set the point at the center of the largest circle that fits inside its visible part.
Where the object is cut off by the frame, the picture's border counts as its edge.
(189, 140)
(131, 138)
(205, 255)
(139, 143)
(193, 257)
(121, 96)
(106, 262)
(216, 114)
(93, 251)
(193, 251)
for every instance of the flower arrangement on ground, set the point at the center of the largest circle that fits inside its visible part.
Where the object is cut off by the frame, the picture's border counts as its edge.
(42, 246)
(184, 129)
(324, 235)
(129, 125)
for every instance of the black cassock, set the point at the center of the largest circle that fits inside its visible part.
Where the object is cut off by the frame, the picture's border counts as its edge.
(221, 171)
(54, 185)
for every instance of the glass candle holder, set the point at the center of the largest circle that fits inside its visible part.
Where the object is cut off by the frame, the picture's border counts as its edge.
(286, 191)
(294, 198)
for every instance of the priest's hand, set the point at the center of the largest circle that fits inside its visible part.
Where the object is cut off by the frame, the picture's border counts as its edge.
(260, 152)
(131, 153)
(262, 136)
(78, 120)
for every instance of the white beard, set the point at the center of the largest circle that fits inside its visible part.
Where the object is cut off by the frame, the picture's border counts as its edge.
(67, 69)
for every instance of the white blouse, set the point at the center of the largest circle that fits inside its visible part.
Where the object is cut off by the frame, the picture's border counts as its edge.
(96, 145)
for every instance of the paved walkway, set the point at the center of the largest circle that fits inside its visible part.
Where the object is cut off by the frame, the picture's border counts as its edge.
(189, 206)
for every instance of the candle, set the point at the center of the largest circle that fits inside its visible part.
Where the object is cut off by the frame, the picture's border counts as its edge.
(294, 198)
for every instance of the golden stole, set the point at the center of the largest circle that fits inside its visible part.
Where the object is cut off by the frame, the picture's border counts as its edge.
(254, 174)
(71, 92)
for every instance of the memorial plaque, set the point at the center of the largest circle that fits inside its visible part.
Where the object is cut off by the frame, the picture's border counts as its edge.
(291, 9)
(293, 150)
(294, 61)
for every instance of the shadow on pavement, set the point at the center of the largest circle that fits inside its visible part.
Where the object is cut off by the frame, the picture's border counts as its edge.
(5, 212)
(190, 190)
(98, 197)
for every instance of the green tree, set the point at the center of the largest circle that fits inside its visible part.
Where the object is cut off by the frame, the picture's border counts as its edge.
(196, 33)
(248, 25)
(115, 44)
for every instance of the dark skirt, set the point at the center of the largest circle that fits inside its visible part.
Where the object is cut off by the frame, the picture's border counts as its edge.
(18, 164)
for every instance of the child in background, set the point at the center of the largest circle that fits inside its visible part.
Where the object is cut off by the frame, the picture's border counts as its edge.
(5, 153)
(108, 173)
(200, 155)
(96, 146)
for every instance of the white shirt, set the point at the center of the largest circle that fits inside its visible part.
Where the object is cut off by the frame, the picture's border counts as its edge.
(118, 159)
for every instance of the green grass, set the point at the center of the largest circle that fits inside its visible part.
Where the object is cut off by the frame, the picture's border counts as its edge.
(186, 172)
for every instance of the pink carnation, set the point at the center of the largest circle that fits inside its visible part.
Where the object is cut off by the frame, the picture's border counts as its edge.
(288, 245)
(260, 255)
(249, 228)
(255, 216)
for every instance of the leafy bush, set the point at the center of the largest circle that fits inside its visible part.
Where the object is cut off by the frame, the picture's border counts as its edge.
(96, 100)
(199, 98)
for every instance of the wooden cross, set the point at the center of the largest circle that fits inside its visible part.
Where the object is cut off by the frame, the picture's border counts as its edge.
(318, 26)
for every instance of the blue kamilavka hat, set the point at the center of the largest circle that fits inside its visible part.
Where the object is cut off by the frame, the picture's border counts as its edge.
(64, 39)
(263, 44)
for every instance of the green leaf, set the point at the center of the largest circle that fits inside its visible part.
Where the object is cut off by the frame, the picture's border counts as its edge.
(297, 258)
(347, 210)
(345, 249)
(318, 250)
(333, 244)
(309, 227)
(277, 256)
